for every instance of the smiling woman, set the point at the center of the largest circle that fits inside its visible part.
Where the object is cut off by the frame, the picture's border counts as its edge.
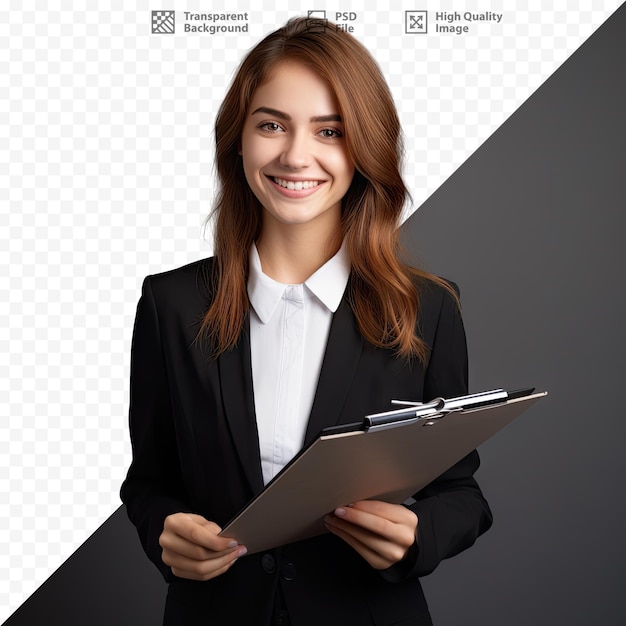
(305, 318)
(382, 289)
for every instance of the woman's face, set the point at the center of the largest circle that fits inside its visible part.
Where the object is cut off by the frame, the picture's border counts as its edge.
(294, 151)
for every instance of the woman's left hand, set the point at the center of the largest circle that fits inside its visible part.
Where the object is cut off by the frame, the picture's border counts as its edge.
(380, 532)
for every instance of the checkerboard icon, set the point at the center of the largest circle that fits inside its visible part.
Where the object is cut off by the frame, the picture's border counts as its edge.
(416, 22)
(163, 22)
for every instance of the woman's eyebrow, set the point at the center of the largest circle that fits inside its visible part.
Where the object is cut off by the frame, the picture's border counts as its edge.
(327, 118)
(285, 116)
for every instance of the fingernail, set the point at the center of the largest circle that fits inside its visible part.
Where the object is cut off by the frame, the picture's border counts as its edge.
(340, 512)
(241, 552)
(233, 544)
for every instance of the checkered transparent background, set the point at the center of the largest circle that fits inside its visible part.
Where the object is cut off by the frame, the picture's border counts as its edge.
(106, 176)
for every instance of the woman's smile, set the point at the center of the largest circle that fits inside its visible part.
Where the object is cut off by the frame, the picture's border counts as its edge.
(291, 188)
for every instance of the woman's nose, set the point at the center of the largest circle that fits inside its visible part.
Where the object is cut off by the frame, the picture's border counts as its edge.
(297, 152)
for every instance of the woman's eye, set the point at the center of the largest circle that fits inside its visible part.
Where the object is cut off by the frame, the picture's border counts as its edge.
(270, 126)
(330, 133)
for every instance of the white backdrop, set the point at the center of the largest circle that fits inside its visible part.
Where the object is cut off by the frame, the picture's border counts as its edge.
(106, 176)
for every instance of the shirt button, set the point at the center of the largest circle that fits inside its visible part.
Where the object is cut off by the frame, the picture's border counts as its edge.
(288, 571)
(282, 617)
(268, 563)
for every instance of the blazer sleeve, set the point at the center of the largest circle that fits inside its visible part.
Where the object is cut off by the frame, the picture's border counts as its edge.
(154, 475)
(451, 510)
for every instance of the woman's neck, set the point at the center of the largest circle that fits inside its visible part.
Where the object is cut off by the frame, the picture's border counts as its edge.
(291, 255)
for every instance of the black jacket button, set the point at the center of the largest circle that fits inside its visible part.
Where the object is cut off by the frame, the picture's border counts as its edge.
(268, 563)
(288, 571)
(282, 617)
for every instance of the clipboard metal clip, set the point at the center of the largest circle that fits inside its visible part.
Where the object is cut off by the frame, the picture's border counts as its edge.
(415, 411)
(433, 410)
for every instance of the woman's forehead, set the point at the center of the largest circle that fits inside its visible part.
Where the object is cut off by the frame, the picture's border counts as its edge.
(295, 84)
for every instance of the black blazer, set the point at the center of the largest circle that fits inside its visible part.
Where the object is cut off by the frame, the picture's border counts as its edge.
(195, 449)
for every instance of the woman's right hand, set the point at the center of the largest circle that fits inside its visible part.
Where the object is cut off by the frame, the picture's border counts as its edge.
(193, 549)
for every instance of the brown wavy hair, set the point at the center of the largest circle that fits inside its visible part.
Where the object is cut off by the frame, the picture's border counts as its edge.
(382, 289)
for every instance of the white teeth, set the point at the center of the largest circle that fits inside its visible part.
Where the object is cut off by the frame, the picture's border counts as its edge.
(297, 184)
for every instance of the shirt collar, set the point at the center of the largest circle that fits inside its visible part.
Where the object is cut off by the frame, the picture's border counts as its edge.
(327, 284)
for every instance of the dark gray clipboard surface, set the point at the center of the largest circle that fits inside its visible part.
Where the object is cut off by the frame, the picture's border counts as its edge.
(390, 463)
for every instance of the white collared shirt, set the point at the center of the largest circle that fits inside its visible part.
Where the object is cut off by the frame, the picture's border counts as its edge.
(289, 326)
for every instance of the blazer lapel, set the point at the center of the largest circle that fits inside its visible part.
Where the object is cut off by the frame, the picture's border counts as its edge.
(343, 351)
(341, 358)
(235, 372)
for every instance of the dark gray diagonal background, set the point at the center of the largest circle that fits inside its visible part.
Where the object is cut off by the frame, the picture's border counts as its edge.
(532, 228)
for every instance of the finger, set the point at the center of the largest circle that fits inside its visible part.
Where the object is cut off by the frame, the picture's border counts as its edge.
(200, 577)
(203, 521)
(185, 518)
(175, 543)
(198, 530)
(402, 531)
(182, 522)
(206, 566)
(203, 570)
(372, 556)
(390, 551)
(393, 512)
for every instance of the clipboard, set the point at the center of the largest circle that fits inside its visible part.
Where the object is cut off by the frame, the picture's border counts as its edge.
(389, 456)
